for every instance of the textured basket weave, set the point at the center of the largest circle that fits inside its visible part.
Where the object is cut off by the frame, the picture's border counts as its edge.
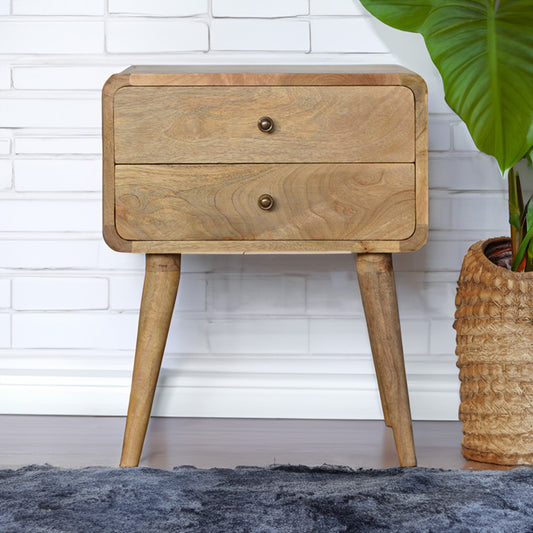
(494, 324)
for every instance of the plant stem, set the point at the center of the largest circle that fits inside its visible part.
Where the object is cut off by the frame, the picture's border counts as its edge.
(516, 208)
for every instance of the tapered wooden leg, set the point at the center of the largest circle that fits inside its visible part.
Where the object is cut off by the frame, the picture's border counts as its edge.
(378, 293)
(159, 295)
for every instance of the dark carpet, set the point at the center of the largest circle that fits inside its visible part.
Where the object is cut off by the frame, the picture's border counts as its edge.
(281, 499)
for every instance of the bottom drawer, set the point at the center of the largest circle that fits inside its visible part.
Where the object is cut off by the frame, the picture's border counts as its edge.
(353, 202)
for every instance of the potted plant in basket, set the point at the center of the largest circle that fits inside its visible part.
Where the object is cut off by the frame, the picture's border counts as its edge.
(483, 50)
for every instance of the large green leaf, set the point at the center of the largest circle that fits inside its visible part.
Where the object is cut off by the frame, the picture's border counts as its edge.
(484, 52)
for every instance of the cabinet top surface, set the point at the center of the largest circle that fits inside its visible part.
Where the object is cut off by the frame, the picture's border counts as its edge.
(161, 75)
(270, 68)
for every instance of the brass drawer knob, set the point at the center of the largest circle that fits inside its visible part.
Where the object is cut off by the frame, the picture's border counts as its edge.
(266, 124)
(266, 202)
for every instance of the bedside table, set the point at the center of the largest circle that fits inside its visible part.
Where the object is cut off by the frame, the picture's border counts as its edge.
(248, 160)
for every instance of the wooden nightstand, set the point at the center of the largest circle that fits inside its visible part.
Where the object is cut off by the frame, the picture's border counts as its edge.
(246, 160)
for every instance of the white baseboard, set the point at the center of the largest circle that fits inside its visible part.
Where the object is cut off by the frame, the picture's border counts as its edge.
(322, 387)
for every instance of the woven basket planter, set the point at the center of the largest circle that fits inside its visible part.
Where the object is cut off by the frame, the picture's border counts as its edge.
(494, 325)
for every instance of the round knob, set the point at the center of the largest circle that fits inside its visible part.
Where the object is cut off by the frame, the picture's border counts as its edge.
(266, 124)
(266, 202)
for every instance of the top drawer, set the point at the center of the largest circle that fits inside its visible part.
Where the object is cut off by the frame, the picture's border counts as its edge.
(315, 124)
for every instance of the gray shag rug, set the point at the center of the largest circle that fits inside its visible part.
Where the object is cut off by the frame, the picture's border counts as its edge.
(280, 499)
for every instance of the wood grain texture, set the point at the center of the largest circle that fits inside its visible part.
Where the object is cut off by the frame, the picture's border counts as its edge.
(219, 124)
(264, 69)
(159, 295)
(420, 236)
(220, 202)
(250, 75)
(110, 234)
(330, 77)
(378, 293)
(260, 247)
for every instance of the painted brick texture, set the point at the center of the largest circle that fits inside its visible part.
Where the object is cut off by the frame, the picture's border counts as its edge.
(162, 8)
(58, 7)
(51, 37)
(272, 8)
(294, 324)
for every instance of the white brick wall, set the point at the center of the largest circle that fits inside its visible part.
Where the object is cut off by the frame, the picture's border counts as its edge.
(354, 35)
(53, 145)
(256, 35)
(50, 37)
(126, 291)
(462, 141)
(251, 335)
(163, 8)
(63, 78)
(41, 253)
(5, 330)
(5, 77)
(100, 331)
(5, 293)
(57, 175)
(5, 174)
(155, 36)
(439, 135)
(53, 294)
(272, 294)
(58, 7)
(49, 215)
(34, 112)
(335, 7)
(272, 8)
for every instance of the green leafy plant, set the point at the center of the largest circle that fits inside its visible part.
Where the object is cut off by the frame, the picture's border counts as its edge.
(483, 50)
